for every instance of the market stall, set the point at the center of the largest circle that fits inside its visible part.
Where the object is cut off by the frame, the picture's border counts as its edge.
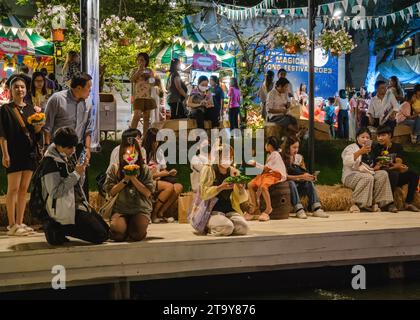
(23, 46)
(198, 55)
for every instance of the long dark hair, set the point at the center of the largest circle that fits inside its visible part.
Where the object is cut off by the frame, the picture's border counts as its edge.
(145, 57)
(397, 84)
(149, 141)
(44, 86)
(235, 83)
(285, 149)
(363, 130)
(125, 143)
(173, 68)
(301, 86)
(269, 80)
(274, 142)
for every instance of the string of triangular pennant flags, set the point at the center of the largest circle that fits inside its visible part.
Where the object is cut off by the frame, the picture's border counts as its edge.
(201, 45)
(369, 22)
(21, 31)
(266, 8)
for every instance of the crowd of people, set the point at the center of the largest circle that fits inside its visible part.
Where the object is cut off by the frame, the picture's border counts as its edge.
(55, 155)
(389, 105)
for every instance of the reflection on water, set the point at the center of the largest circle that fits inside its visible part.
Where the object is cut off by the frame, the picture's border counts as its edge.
(395, 290)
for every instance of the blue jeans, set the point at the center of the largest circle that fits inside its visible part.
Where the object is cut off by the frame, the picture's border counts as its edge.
(414, 124)
(343, 124)
(300, 189)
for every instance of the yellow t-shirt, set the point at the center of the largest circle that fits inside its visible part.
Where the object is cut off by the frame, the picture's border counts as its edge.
(416, 106)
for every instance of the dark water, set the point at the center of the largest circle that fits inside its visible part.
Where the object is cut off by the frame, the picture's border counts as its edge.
(331, 283)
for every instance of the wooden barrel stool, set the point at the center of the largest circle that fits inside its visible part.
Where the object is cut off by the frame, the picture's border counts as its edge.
(280, 201)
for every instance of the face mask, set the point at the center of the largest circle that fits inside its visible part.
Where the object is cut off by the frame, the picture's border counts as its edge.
(202, 88)
(225, 163)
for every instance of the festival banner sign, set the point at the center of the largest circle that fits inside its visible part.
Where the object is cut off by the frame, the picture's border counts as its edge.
(15, 46)
(205, 62)
(296, 65)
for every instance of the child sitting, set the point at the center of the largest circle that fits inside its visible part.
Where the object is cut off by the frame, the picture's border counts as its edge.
(274, 172)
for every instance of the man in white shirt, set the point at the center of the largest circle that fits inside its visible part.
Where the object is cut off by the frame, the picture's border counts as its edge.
(134, 134)
(383, 107)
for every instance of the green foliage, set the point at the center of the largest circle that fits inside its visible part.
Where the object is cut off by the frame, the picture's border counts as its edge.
(159, 23)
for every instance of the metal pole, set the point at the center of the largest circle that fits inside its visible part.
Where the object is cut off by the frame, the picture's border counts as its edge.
(83, 43)
(311, 32)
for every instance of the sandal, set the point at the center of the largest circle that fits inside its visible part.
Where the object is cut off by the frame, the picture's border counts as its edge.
(17, 230)
(264, 217)
(354, 209)
(248, 216)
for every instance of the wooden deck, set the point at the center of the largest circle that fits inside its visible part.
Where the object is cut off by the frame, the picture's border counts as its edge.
(172, 250)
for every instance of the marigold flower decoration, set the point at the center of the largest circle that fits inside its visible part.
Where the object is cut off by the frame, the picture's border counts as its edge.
(131, 169)
(37, 118)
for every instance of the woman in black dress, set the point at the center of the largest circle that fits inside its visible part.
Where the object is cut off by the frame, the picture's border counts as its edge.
(19, 146)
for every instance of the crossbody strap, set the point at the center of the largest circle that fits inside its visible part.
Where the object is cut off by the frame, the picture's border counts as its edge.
(22, 123)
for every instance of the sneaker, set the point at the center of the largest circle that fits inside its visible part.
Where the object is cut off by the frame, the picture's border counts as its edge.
(28, 229)
(17, 231)
(170, 220)
(301, 214)
(319, 213)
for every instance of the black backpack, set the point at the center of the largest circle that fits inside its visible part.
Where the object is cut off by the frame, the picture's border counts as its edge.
(37, 204)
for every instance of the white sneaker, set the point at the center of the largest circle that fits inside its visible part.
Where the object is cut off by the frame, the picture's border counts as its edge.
(301, 214)
(17, 230)
(320, 213)
(27, 228)
(170, 220)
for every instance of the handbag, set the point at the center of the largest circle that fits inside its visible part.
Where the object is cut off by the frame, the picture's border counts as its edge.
(106, 210)
(184, 204)
(200, 212)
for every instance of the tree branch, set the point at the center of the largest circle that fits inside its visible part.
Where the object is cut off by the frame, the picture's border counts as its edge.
(403, 38)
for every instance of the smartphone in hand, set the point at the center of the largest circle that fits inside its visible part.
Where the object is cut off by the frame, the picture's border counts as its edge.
(82, 157)
(368, 143)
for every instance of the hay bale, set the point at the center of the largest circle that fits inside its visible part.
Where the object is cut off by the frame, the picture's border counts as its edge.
(96, 201)
(27, 218)
(333, 198)
(400, 195)
(402, 134)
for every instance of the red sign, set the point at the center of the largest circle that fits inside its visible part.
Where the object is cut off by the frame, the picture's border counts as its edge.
(205, 62)
(15, 46)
